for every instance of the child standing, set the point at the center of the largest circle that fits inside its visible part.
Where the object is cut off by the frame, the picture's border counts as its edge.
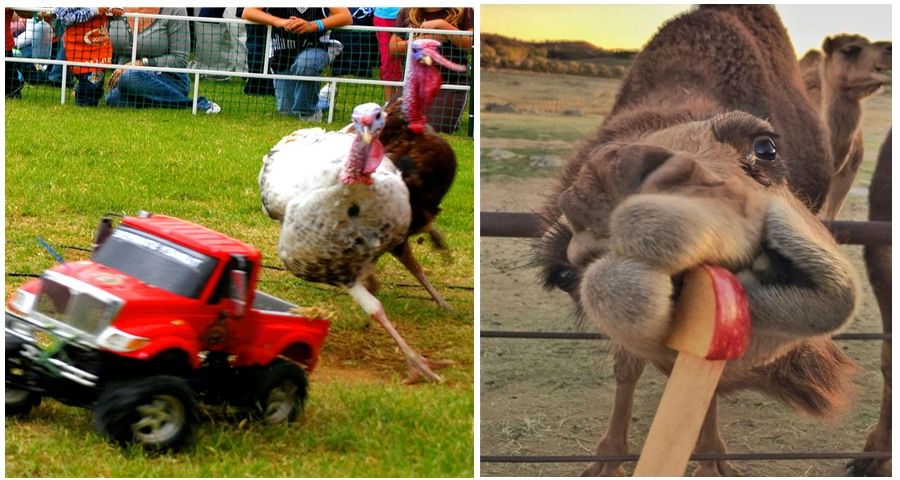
(391, 66)
(87, 40)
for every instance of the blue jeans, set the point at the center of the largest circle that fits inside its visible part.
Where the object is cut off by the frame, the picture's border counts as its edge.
(153, 89)
(294, 97)
(55, 75)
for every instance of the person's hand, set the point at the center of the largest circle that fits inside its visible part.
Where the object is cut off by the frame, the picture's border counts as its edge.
(297, 25)
(307, 27)
(114, 78)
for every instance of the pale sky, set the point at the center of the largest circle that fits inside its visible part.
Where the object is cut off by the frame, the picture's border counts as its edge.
(630, 26)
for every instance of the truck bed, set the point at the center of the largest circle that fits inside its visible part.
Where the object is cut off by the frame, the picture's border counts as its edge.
(266, 302)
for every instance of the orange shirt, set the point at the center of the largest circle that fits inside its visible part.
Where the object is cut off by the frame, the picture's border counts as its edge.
(88, 42)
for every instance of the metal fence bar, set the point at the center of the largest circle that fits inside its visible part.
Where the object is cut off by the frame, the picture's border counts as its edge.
(530, 225)
(196, 98)
(268, 45)
(696, 457)
(359, 81)
(62, 87)
(600, 336)
(134, 41)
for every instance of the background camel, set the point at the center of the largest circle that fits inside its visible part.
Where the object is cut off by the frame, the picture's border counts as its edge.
(878, 265)
(673, 181)
(851, 69)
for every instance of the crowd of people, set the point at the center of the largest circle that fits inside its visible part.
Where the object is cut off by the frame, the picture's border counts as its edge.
(303, 42)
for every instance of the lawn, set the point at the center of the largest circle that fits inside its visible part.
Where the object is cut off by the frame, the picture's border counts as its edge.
(67, 166)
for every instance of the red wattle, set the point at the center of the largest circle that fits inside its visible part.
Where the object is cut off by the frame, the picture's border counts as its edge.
(376, 152)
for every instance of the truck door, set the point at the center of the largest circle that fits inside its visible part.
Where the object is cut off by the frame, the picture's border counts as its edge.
(229, 300)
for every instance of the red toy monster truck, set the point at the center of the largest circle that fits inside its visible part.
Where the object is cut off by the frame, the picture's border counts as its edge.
(156, 320)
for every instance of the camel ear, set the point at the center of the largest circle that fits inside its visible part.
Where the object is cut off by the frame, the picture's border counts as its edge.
(828, 45)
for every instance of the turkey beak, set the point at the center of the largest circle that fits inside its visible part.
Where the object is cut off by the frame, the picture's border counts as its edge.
(367, 135)
(427, 60)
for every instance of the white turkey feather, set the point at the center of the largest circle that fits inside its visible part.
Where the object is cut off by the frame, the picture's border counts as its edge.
(330, 230)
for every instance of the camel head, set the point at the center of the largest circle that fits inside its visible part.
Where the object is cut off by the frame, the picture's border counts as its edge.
(636, 214)
(855, 65)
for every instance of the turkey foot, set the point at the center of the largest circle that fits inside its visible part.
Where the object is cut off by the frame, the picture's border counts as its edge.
(416, 374)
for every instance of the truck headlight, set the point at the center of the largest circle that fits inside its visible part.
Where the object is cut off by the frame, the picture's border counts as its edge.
(23, 302)
(119, 341)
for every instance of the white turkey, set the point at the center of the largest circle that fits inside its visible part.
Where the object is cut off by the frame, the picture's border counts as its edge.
(341, 204)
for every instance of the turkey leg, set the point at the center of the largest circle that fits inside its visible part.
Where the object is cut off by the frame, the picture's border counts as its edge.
(404, 254)
(419, 367)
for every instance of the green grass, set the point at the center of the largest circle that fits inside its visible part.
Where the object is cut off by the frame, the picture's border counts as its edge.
(67, 166)
(348, 431)
(230, 96)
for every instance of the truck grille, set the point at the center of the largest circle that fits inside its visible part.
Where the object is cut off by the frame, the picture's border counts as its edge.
(79, 310)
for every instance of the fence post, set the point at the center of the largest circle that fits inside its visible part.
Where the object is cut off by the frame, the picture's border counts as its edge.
(196, 93)
(332, 92)
(408, 57)
(472, 102)
(268, 45)
(62, 88)
(134, 37)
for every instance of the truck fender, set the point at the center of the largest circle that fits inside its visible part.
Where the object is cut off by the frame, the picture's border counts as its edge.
(300, 352)
(163, 344)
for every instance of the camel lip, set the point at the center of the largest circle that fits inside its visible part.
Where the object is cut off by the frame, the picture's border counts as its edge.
(767, 267)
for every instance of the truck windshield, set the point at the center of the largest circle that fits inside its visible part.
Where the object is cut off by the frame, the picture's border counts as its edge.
(155, 261)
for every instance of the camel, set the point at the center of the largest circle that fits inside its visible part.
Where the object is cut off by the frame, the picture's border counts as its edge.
(717, 160)
(851, 69)
(878, 265)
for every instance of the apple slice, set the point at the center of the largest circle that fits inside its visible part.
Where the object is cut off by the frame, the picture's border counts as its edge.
(712, 316)
(711, 325)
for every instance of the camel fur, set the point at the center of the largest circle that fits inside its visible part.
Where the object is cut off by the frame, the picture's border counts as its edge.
(719, 160)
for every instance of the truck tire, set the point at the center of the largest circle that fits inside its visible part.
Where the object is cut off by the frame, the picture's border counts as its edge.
(279, 392)
(20, 402)
(157, 412)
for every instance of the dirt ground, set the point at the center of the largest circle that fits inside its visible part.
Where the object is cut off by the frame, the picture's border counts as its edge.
(554, 397)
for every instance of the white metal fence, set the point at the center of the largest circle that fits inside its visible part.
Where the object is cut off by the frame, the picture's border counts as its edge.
(197, 74)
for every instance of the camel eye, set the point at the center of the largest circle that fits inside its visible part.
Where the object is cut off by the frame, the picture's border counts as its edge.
(566, 279)
(764, 149)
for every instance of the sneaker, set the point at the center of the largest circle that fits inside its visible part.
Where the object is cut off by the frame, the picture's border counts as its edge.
(313, 117)
(213, 108)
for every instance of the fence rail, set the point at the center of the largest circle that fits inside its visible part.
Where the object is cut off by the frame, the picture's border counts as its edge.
(530, 225)
(696, 457)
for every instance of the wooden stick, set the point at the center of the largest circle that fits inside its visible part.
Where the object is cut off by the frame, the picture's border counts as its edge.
(671, 440)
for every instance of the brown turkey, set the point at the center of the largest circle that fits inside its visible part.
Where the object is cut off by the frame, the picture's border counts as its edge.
(426, 160)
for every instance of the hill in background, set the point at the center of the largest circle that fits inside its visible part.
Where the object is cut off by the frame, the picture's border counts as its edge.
(571, 57)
